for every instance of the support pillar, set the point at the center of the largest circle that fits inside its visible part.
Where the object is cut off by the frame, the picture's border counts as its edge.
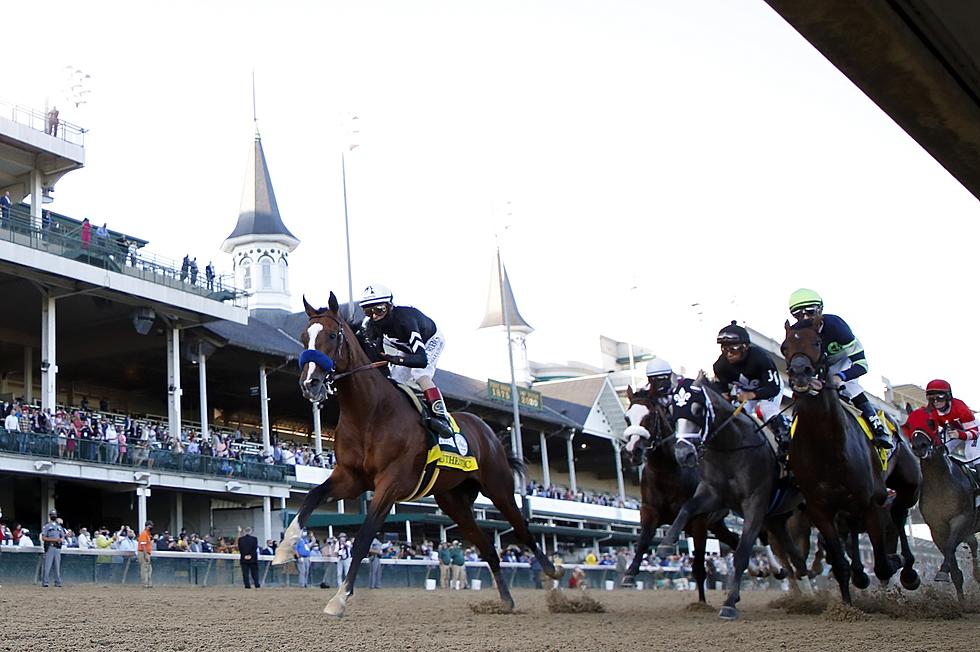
(266, 518)
(317, 432)
(49, 366)
(619, 470)
(202, 379)
(546, 470)
(37, 190)
(570, 447)
(141, 495)
(264, 407)
(408, 532)
(178, 513)
(29, 375)
(173, 376)
(47, 500)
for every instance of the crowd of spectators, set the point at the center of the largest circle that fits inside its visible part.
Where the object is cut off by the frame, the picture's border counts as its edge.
(592, 497)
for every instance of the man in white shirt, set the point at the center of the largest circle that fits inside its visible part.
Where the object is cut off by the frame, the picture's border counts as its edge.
(112, 443)
(25, 539)
(84, 540)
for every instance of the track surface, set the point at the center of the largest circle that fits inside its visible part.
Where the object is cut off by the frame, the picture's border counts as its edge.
(122, 619)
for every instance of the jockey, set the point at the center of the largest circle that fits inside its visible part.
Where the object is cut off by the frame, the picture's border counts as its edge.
(845, 357)
(952, 413)
(416, 344)
(748, 374)
(659, 373)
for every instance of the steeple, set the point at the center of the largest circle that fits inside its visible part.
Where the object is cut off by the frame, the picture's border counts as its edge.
(260, 244)
(495, 312)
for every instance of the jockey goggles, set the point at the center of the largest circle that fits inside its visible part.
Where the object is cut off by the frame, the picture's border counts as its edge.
(379, 309)
(734, 348)
(807, 313)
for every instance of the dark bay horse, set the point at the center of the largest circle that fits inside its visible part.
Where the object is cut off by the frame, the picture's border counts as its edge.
(665, 485)
(838, 470)
(947, 502)
(381, 446)
(738, 471)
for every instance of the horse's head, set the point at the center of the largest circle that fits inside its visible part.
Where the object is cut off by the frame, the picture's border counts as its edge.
(646, 425)
(692, 414)
(803, 351)
(922, 433)
(327, 343)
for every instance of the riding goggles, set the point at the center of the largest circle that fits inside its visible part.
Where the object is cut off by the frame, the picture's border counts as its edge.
(371, 311)
(806, 313)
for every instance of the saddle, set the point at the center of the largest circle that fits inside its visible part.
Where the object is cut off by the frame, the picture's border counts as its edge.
(443, 452)
(883, 455)
(971, 472)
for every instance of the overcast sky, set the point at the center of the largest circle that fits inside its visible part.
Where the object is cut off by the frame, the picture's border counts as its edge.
(699, 152)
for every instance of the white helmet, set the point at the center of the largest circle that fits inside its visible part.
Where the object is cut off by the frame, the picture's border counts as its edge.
(659, 367)
(375, 294)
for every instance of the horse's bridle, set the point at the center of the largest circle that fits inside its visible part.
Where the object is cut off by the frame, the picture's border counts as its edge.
(332, 375)
(664, 432)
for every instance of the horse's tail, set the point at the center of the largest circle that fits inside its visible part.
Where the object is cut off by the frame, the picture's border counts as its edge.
(517, 465)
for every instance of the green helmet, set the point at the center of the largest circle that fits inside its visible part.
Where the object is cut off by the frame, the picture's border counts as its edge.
(804, 298)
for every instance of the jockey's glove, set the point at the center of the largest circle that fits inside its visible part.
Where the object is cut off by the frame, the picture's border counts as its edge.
(837, 380)
(393, 359)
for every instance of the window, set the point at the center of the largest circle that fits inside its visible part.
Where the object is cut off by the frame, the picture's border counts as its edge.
(246, 274)
(283, 276)
(265, 266)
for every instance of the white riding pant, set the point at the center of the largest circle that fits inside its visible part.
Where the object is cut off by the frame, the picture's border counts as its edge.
(964, 450)
(433, 349)
(851, 388)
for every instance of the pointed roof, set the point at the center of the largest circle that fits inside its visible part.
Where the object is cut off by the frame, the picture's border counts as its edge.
(495, 313)
(259, 215)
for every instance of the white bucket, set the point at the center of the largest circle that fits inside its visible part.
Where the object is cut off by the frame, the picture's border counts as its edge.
(610, 584)
(476, 584)
(639, 585)
(430, 585)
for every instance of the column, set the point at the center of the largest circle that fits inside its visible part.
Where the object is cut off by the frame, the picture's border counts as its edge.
(408, 531)
(202, 379)
(49, 366)
(37, 190)
(178, 512)
(29, 375)
(141, 495)
(47, 502)
(570, 447)
(264, 407)
(266, 518)
(317, 432)
(619, 469)
(546, 470)
(173, 377)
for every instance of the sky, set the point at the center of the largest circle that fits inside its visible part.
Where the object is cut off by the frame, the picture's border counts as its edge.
(651, 170)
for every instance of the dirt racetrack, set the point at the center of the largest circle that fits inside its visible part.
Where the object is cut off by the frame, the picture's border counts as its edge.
(123, 619)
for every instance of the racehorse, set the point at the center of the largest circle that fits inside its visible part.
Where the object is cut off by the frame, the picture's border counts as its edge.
(836, 467)
(739, 471)
(381, 446)
(947, 502)
(665, 485)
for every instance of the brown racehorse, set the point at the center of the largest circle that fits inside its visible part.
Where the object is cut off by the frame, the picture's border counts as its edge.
(836, 467)
(665, 486)
(381, 447)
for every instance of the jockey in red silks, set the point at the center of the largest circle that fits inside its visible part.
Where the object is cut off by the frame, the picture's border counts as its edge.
(958, 419)
(411, 343)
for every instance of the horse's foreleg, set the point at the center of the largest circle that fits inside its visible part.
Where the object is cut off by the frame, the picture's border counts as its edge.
(885, 564)
(909, 578)
(859, 577)
(384, 498)
(699, 532)
(971, 542)
(503, 500)
(649, 518)
(702, 502)
(788, 554)
(340, 485)
(755, 513)
(833, 550)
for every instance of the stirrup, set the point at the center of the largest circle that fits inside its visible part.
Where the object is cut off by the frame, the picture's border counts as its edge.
(440, 425)
(881, 441)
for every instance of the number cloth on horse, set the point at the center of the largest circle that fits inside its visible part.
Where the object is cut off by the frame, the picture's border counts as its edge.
(884, 454)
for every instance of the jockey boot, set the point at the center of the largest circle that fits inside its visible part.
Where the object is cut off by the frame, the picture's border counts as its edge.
(779, 426)
(881, 438)
(438, 417)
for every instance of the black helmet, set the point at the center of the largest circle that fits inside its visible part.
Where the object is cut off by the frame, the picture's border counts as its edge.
(733, 334)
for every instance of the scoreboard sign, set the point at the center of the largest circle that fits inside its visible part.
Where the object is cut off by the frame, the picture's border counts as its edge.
(526, 398)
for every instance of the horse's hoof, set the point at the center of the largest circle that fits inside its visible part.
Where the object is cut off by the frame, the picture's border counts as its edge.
(629, 581)
(942, 576)
(336, 607)
(910, 579)
(283, 556)
(895, 562)
(728, 613)
(780, 574)
(861, 580)
(558, 573)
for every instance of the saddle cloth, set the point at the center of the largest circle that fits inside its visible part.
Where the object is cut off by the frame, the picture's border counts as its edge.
(443, 452)
(883, 455)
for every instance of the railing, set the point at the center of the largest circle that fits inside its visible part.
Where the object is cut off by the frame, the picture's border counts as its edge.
(55, 448)
(24, 565)
(66, 131)
(115, 253)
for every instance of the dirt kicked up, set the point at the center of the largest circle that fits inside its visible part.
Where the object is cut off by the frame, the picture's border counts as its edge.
(192, 619)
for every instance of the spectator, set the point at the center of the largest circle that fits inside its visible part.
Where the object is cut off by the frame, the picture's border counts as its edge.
(5, 205)
(374, 556)
(302, 552)
(193, 270)
(209, 275)
(24, 540)
(185, 267)
(268, 549)
(578, 581)
(445, 564)
(86, 241)
(51, 127)
(248, 550)
(101, 238)
(143, 547)
(591, 559)
(459, 566)
(112, 443)
(53, 536)
(536, 570)
(84, 540)
(344, 549)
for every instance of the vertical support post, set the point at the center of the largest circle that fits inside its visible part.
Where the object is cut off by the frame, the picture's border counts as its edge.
(619, 470)
(266, 518)
(264, 399)
(178, 512)
(29, 375)
(49, 365)
(545, 468)
(141, 493)
(408, 532)
(317, 431)
(47, 499)
(202, 380)
(173, 375)
(570, 447)
(37, 190)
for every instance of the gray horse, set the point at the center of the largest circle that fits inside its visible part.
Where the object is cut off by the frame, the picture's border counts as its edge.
(738, 471)
(947, 503)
